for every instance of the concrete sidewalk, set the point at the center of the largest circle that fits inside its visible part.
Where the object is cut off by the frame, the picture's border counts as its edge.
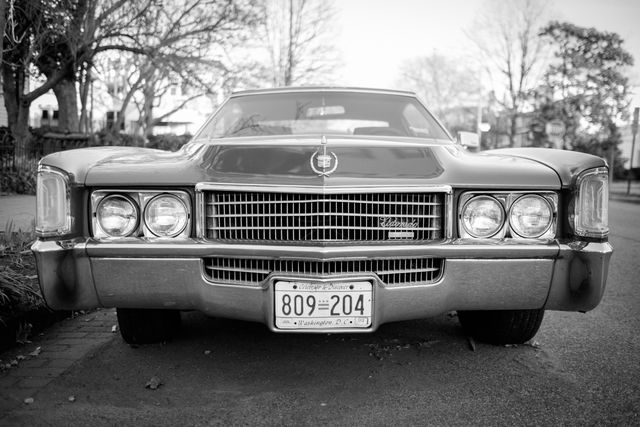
(20, 209)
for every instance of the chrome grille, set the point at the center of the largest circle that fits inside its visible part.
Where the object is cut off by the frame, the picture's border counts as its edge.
(250, 271)
(296, 217)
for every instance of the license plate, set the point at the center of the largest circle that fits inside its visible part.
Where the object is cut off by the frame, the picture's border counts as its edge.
(319, 305)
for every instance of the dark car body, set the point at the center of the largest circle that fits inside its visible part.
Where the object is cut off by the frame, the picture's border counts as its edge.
(327, 219)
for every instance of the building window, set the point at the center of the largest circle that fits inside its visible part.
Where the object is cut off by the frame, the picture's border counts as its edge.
(112, 117)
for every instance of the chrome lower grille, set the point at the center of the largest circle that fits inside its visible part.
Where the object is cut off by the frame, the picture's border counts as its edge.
(246, 216)
(393, 272)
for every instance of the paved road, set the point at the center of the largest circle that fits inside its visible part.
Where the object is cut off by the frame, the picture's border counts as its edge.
(584, 370)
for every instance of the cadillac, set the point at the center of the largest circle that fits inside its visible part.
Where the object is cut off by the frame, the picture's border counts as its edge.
(323, 210)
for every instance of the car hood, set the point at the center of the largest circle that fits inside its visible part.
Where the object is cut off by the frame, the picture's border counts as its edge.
(291, 162)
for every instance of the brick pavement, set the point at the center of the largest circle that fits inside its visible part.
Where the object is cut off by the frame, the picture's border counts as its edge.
(61, 347)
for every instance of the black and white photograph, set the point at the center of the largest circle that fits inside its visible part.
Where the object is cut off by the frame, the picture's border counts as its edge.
(319, 212)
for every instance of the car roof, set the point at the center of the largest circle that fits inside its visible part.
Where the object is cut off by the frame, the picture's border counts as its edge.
(294, 89)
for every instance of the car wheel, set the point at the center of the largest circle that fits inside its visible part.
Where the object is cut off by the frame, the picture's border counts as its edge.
(501, 326)
(145, 326)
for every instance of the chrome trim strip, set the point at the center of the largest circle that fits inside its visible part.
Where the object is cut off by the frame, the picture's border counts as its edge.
(200, 214)
(311, 140)
(448, 215)
(314, 189)
(321, 89)
(458, 248)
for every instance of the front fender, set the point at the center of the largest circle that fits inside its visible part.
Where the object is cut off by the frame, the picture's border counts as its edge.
(567, 164)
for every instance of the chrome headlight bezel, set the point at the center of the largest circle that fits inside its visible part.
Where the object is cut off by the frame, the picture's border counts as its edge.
(507, 199)
(499, 210)
(141, 198)
(101, 231)
(517, 230)
(147, 220)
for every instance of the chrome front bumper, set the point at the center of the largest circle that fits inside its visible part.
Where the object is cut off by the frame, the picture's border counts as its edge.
(477, 276)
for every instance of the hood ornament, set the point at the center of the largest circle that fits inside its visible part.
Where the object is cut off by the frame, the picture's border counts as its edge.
(323, 163)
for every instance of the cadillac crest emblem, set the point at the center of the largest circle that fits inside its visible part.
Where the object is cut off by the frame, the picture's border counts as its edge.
(322, 162)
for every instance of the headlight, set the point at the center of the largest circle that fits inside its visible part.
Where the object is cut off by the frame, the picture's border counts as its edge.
(53, 206)
(117, 216)
(530, 216)
(591, 208)
(166, 215)
(482, 216)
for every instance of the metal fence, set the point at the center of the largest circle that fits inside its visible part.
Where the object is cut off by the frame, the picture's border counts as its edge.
(40, 145)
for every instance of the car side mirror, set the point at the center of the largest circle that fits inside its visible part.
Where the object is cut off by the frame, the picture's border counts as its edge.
(469, 140)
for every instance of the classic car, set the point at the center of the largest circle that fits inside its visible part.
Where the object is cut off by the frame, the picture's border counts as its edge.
(323, 210)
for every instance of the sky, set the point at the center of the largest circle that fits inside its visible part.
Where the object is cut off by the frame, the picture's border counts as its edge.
(375, 36)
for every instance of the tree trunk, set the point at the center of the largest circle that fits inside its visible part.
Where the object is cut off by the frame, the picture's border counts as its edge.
(147, 121)
(288, 71)
(3, 25)
(11, 93)
(17, 114)
(85, 85)
(20, 132)
(67, 97)
(513, 129)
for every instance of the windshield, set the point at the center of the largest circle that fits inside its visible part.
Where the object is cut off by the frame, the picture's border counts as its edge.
(326, 113)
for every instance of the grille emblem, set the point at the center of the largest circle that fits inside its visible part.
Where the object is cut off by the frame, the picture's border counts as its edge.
(404, 227)
(324, 163)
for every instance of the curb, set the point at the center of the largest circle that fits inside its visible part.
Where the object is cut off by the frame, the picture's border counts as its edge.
(629, 198)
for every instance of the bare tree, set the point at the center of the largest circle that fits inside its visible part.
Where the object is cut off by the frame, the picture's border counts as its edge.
(49, 40)
(446, 84)
(56, 39)
(506, 35)
(186, 45)
(296, 35)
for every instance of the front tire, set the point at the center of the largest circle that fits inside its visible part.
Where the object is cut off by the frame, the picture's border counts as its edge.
(145, 326)
(501, 326)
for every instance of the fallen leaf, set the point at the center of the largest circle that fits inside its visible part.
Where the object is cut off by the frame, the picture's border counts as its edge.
(472, 343)
(36, 352)
(153, 383)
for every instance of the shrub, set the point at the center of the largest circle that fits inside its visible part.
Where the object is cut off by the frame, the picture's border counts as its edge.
(105, 137)
(19, 290)
(18, 181)
(168, 142)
